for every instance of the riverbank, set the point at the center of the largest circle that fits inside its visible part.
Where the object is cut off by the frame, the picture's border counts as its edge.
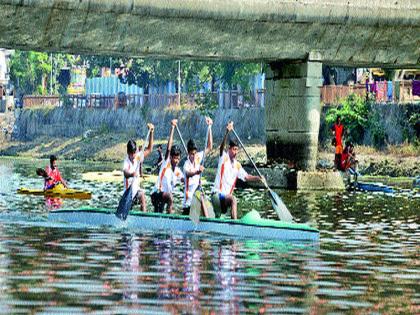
(394, 161)
(105, 147)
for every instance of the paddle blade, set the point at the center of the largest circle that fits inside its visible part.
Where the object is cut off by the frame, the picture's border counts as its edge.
(41, 172)
(279, 206)
(200, 204)
(209, 206)
(195, 210)
(125, 204)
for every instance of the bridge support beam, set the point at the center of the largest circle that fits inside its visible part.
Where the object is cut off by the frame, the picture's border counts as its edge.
(293, 112)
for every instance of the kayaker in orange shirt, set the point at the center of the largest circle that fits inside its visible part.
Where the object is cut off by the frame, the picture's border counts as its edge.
(53, 175)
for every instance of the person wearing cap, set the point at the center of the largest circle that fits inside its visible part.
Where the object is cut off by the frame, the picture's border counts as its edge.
(193, 168)
(228, 171)
(169, 176)
(132, 168)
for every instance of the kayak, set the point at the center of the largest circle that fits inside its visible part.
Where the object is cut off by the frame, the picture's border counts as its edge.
(58, 191)
(250, 226)
(373, 187)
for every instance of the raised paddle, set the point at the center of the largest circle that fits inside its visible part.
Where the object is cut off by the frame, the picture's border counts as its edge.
(182, 139)
(194, 212)
(126, 201)
(200, 201)
(278, 204)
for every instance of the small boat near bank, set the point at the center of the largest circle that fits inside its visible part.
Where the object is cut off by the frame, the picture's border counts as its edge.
(249, 226)
(371, 187)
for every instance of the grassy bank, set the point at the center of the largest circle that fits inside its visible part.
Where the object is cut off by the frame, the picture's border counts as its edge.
(395, 161)
(103, 147)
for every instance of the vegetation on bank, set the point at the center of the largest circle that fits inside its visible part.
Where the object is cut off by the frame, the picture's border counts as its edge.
(37, 73)
(362, 121)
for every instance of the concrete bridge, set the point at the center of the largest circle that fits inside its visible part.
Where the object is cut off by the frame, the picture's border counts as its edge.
(295, 37)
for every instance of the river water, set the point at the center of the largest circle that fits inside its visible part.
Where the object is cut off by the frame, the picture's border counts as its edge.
(367, 260)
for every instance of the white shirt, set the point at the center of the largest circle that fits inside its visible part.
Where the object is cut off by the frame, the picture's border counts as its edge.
(131, 167)
(227, 173)
(191, 183)
(168, 178)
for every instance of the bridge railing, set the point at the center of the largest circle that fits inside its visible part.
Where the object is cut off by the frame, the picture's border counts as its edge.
(401, 92)
(223, 99)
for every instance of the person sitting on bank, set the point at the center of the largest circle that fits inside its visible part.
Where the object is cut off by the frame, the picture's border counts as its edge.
(228, 170)
(348, 159)
(338, 132)
(132, 168)
(169, 176)
(193, 169)
(53, 177)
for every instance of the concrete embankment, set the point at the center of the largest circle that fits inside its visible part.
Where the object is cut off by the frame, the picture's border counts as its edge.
(61, 122)
(249, 123)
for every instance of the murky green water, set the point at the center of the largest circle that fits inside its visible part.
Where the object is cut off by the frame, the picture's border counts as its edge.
(367, 260)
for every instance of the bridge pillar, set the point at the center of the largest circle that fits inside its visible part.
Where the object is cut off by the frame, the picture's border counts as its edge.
(293, 112)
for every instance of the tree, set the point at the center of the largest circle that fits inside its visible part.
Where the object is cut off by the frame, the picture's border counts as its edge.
(354, 113)
(29, 72)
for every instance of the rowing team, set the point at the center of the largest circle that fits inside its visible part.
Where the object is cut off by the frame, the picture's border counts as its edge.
(228, 170)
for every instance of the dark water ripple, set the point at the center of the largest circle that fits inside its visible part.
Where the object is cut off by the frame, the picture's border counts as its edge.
(366, 262)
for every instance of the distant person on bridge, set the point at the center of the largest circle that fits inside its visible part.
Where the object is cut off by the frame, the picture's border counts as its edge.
(193, 168)
(338, 132)
(132, 168)
(228, 170)
(169, 175)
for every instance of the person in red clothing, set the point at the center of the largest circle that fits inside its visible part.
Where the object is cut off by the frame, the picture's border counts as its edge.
(54, 176)
(338, 132)
(348, 158)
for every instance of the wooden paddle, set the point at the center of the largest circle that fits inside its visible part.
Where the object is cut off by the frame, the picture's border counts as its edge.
(278, 204)
(41, 172)
(126, 201)
(195, 211)
(199, 202)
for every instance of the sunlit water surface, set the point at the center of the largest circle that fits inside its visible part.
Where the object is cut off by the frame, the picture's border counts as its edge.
(367, 260)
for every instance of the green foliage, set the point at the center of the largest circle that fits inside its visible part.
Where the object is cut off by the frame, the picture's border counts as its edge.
(206, 105)
(354, 113)
(29, 71)
(414, 121)
(377, 130)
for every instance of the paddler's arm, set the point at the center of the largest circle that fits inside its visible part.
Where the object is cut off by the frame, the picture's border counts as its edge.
(252, 178)
(193, 173)
(229, 127)
(149, 149)
(209, 122)
(128, 174)
(63, 181)
(171, 137)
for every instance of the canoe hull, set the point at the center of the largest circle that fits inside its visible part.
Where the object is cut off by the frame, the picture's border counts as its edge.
(265, 229)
